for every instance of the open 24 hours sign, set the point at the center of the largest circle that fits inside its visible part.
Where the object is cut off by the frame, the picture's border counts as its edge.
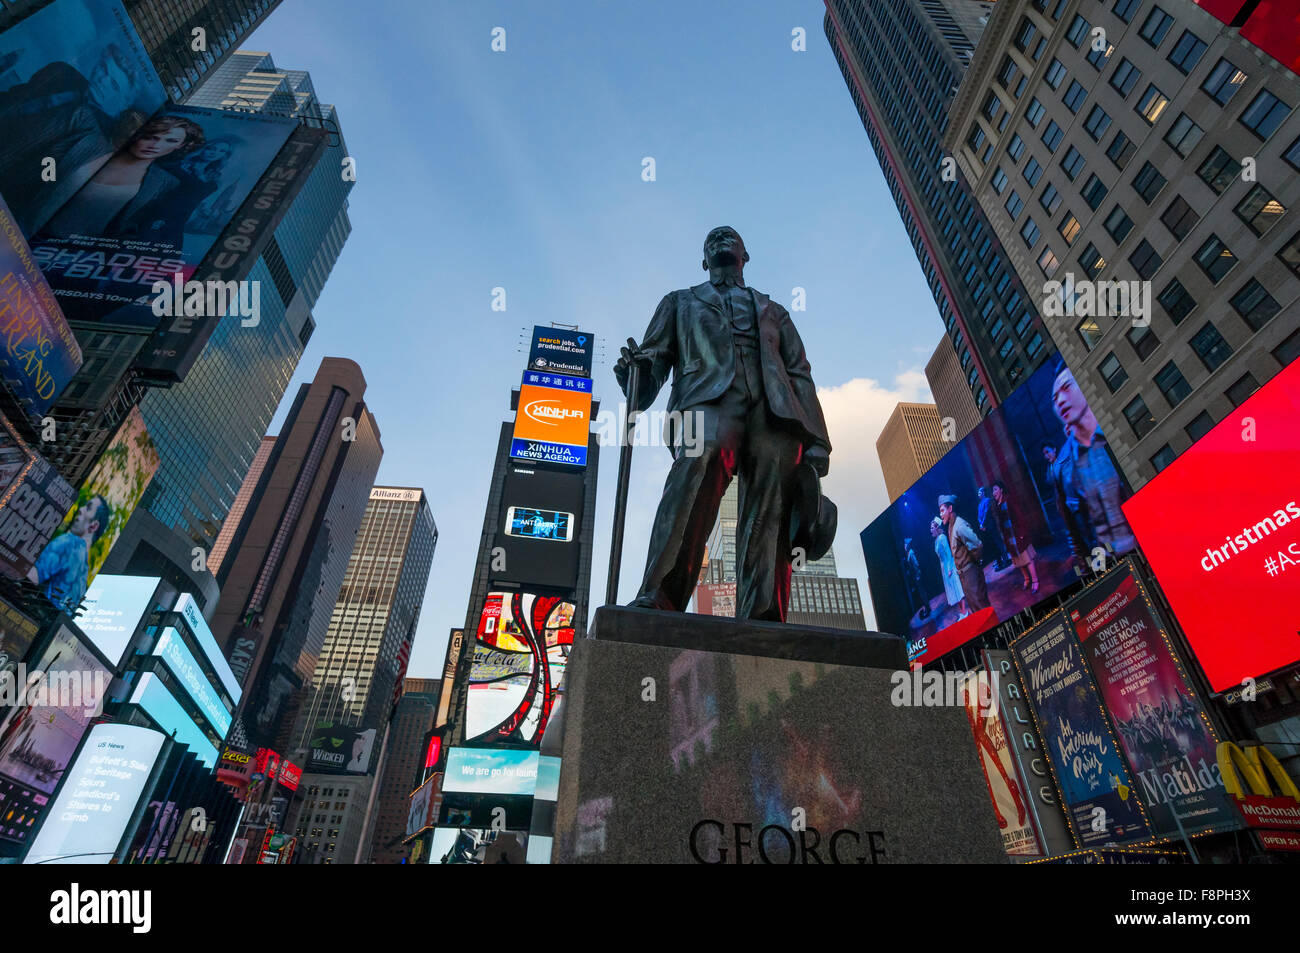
(553, 421)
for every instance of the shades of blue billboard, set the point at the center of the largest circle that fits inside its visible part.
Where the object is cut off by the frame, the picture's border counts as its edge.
(1012, 514)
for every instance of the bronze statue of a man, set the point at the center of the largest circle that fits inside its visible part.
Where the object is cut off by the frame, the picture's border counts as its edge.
(740, 372)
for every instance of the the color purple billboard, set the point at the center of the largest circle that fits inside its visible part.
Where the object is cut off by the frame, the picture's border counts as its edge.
(1162, 726)
(1016, 511)
(1101, 803)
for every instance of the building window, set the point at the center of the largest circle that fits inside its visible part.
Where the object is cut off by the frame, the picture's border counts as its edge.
(1094, 192)
(1073, 163)
(1242, 388)
(1074, 96)
(1027, 40)
(1052, 136)
(1016, 148)
(1124, 78)
(1033, 171)
(1152, 104)
(1118, 224)
(1029, 232)
(1034, 113)
(1145, 260)
(1210, 346)
(1124, 9)
(1078, 32)
(1139, 417)
(1092, 261)
(999, 181)
(1288, 350)
(1143, 341)
(1218, 170)
(1089, 332)
(1050, 199)
(1223, 82)
(1069, 228)
(1184, 135)
(1187, 52)
(1172, 384)
(1290, 253)
(1264, 114)
(976, 137)
(1014, 204)
(1034, 346)
(1112, 372)
(1292, 154)
(1163, 457)
(1097, 57)
(1215, 259)
(1097, 123)
(1177, 303)
(1179, 218)
(1199, 427)
(1255, 305)
(1048, 262)
(1148, 182)
(1121, 150)
(1259, 210)
(1156, 26)
(1055, 74)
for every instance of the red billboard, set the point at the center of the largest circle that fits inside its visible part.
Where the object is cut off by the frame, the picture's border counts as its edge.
(1220, 527)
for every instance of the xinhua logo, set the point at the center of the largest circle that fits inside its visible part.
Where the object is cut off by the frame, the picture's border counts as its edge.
(101, 907)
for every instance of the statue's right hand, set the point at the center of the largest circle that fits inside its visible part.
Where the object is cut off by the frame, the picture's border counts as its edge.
(627, 356)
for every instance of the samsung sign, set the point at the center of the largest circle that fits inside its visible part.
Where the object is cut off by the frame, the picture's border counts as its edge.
(171, 648)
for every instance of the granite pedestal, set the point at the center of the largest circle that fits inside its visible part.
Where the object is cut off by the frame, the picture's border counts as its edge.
(696, 739)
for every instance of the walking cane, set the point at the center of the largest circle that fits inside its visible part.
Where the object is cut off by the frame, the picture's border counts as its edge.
(624, 475)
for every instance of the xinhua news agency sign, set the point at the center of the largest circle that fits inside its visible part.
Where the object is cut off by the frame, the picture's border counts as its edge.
(553, 419)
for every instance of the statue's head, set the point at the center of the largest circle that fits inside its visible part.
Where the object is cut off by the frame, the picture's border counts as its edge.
(723, 246)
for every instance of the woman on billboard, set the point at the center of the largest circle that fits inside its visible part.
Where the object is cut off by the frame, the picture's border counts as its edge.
(1018, 546)
(948, 568)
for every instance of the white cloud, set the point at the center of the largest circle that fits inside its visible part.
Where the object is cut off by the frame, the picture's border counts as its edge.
(856, 411)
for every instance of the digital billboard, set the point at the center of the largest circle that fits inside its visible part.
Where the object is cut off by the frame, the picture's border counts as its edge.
(540, 526)
(1011, 515)
(193, 616)
(559, 350)
(121, 249)
(553, 419)
(40, 734)
(33, 499)
(522, 647)
(158, 702)
(75, 83)
(106, 500)
(40, 352)
(88, 819)
(1220, 527)
(1101, 803)
(1163, 729)
(189, 673)
(114, 607)
(339, 749)
(490, 771)
(17, 632)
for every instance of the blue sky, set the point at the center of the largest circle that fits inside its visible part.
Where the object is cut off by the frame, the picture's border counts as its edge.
(522, 169)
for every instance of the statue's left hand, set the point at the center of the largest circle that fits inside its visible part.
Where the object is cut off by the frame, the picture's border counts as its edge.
(820, 458)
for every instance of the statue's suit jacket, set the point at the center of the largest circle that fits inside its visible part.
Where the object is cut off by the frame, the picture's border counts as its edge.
(690, 335)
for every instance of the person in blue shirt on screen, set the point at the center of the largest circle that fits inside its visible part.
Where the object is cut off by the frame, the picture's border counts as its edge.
(63, 566)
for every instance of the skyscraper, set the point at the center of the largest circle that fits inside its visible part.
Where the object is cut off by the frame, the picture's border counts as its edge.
(209, 426)
(911, 442)
(819, 595)
(903, 61)
(952, 397)
(288, 559)
(402, 768)
(1168, 148)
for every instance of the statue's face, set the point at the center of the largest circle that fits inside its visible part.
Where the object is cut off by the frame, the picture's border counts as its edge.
(724, 246)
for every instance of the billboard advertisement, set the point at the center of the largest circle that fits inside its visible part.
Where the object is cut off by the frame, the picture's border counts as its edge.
(1100, 800)
(40, 734)
(114, 607)
(519, 658)
(1220, 527)
(490, 771)
(158, 702)
(198, 626)
(75, 83)
(121, 249)
(1011, 515)
(17, 632)
(106, 500)
(180, 661)
(33, 499)
(553, 419)
(1163, 729)
(455, 639)
(540, 526)
(89, 817)
(1030, 758)
(716, 598)
(40, 352)
(559, 350)
(1010, 804)
(339, 749)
